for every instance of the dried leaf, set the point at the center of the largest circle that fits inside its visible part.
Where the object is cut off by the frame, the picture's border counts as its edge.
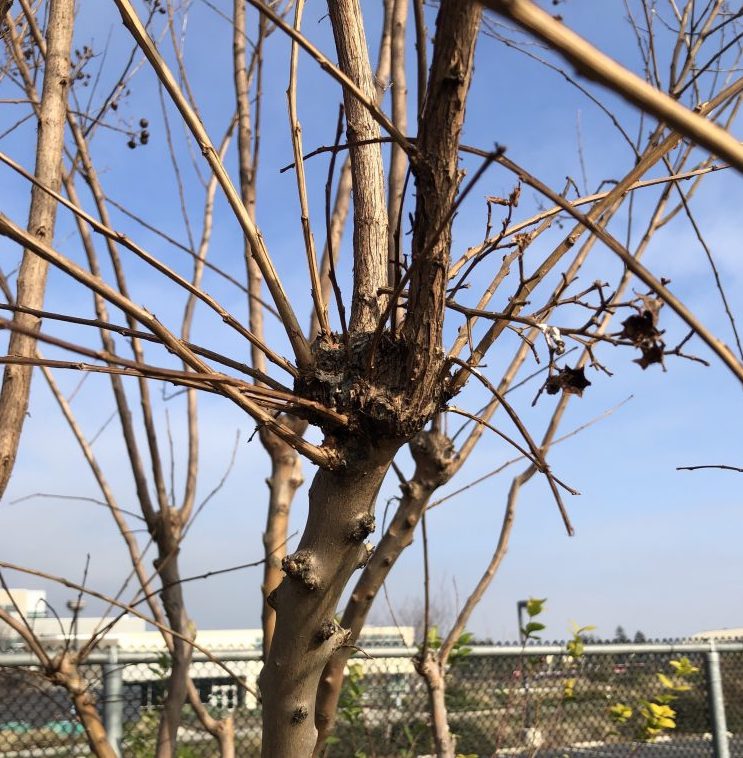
(651, 305)
(652, 353)
(639, 328)
(572, 381)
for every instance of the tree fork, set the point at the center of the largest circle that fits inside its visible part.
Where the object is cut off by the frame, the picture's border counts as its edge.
(66, 674)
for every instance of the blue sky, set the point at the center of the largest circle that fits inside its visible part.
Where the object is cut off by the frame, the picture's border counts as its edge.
(655, 549)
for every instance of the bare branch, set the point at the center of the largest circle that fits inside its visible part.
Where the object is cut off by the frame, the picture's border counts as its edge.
(601, 68)
(258, 248)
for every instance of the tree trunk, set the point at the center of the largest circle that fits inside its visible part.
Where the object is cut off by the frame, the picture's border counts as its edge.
(433, 455)
(285, 479)
(67, 676)
(168, 539)
(430, 669)
(341, 516)
(16, 385)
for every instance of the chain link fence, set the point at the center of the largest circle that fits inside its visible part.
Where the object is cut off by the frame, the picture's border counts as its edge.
(502, 701)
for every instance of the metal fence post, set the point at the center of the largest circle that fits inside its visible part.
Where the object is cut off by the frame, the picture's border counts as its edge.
(113, 700)
(716, 702)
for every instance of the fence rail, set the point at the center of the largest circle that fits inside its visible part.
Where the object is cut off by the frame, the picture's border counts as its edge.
(503, 700)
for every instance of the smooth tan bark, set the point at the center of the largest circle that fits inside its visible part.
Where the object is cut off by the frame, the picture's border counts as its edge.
(398, 159)
(16, 385)
(285, 480)
(167, 533)
(341, 516)
(369, 209)
(432, 671)
(66, 674)
(434, 459)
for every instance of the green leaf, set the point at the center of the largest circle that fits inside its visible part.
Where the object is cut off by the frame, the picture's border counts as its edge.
(664, 680)
(684, 667)
(568, 689)
(582, 629)
(434, 639)
(620, 712)
(531, 627)
(534, 606)
(682, 687)
(575, 647)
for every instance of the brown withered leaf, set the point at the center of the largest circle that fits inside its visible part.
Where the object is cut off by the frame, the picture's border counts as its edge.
(651, 353)
(651, 305)
(572, 381)
(639, 328)
(553, 385)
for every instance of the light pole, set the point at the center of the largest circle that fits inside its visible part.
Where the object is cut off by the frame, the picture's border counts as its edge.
(521, 606)
(75, 607)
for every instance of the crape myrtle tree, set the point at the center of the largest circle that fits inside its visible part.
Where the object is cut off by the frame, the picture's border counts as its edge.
(373, 371)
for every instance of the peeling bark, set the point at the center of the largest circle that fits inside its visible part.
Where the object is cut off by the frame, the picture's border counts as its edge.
(16, 386)
(437, 178)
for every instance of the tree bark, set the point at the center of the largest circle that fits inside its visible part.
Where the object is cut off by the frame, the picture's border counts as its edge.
(168, 536)
(66, 675)
(434, 457)
(431, 671)
(398, 159)
(285, 480)
(341, 515)
(369, 209)
(16, 385)
(437, 177)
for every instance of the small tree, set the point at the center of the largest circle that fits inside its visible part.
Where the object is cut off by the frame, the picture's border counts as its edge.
(376, 376)
(620, 635)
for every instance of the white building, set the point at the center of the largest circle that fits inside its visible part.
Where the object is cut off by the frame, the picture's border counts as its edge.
(735, 633)
(49, 627)
(144, 651)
